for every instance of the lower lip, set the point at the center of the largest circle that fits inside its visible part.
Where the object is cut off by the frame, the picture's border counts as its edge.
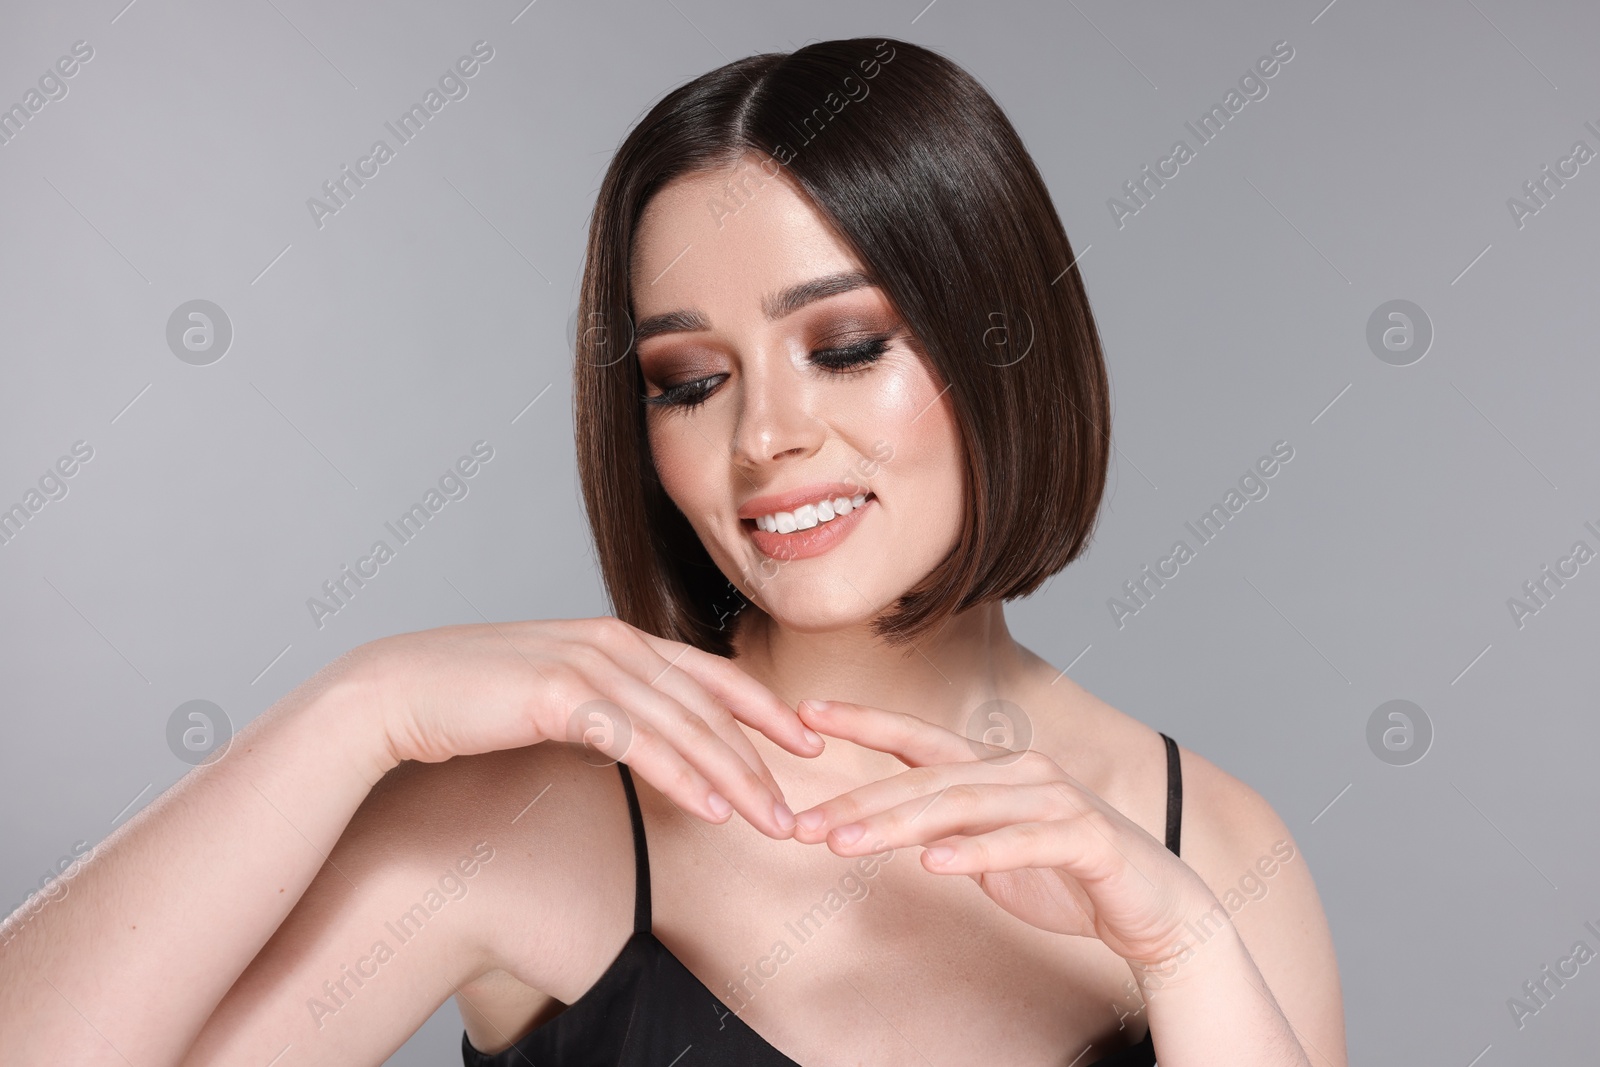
(803, 544)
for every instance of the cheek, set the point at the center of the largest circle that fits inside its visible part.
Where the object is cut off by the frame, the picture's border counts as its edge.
(687, 463)
(681, 458)
(909, 431)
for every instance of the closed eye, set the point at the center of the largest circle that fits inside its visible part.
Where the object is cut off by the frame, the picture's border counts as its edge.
(688, 395)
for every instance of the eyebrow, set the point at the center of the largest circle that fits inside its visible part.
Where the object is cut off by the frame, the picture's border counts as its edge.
(774, 306)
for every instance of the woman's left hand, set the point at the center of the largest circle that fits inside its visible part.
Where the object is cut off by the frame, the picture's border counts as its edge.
(1040, 845)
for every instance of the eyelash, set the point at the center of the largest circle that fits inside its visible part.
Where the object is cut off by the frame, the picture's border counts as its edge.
(689, 395)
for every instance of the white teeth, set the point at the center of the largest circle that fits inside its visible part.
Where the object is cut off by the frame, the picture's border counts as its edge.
(807, 516)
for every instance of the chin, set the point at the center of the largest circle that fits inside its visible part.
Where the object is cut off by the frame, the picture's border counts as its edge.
(847, 588)
(821, 606)
(816, 619)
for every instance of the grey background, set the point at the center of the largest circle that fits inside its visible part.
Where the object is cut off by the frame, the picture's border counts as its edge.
(369, 354)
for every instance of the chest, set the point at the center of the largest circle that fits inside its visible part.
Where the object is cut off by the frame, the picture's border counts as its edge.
(906, 966)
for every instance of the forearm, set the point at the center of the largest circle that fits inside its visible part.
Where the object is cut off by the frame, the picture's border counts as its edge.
(1212, 1006)
(129, 964)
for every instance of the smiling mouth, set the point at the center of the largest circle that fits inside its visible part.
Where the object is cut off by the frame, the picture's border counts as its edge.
(810, 529)
(809, 515)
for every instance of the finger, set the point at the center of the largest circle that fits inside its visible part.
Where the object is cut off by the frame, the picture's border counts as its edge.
(964, 809)
(699, 744)
(914, 741)
(631, 739)
(629, 646)
(919, 784)
(686, 691)
(656, 760)
(1073, 846)
(643, 659)
(747, 699)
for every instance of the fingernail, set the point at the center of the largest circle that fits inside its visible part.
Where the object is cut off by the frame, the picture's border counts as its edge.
(718, 805)
(812, 736)
(940, 854)
(809, 820)
(847, 835)
(785, 817)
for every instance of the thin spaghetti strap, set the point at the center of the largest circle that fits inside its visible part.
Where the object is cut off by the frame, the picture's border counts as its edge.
(1174, 795)
(641, 856)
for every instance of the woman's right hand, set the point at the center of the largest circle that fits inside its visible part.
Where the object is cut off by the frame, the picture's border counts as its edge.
(666, 709)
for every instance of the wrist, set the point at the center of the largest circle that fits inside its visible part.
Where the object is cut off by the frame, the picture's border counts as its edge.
(342, 713)
(1207, 941)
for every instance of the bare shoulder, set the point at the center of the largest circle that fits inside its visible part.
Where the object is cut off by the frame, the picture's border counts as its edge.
(1227, 825)
(1238, 844)
(1243, 850)
(477, 872)
(558, 904)
(555, 904)
(552, 835)
(1228, 830)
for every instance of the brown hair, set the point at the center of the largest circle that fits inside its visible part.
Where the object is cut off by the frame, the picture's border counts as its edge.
(918, 170)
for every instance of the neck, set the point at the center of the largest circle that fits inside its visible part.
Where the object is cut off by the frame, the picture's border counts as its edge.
(942, 677)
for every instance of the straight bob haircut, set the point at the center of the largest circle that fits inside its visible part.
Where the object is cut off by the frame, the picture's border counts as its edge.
(917, 170)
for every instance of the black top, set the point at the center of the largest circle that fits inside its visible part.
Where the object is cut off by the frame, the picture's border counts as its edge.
(649, 1009)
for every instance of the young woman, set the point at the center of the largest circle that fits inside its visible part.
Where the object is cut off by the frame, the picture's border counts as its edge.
(839, 395)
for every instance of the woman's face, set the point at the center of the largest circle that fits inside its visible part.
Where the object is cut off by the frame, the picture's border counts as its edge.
(779, 387)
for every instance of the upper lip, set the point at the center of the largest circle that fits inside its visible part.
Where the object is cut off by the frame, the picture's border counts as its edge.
(756, 507)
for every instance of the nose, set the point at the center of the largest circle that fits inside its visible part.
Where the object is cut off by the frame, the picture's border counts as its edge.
(774, 420)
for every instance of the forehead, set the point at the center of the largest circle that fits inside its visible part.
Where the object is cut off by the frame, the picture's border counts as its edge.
(726, 234)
